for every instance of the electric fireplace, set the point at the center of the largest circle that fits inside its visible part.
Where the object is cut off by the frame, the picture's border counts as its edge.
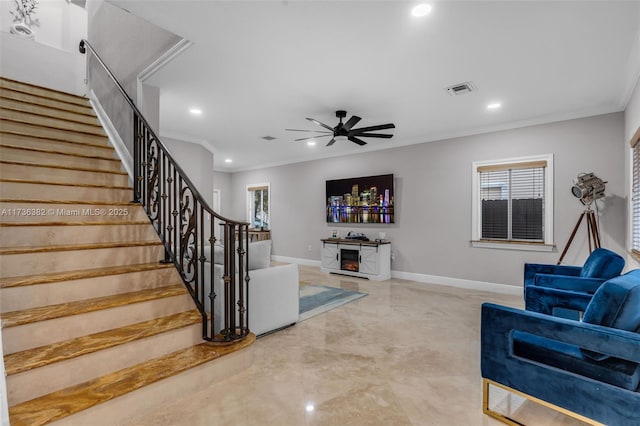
(349, 260)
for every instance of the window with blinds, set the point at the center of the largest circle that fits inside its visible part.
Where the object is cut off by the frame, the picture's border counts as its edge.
(258, 205)
(635, 194)
(511, 198)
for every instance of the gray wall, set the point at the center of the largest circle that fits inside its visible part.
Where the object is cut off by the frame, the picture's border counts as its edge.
(433, 195)
(222, 181)
(197, 162)
(127, 44)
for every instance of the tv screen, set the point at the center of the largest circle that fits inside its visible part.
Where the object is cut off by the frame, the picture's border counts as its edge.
(360, 200)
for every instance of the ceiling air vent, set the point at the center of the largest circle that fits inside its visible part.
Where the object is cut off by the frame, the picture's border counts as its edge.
(267, 138)
(460, 89)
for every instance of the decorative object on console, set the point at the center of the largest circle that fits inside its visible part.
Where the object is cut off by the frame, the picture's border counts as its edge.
(346, 130)
(367, 199)
(587, 188)
(356, 236)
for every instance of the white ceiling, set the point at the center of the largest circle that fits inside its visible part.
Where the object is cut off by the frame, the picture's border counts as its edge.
(258, 67)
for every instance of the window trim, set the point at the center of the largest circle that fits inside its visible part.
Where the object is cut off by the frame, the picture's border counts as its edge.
(254, 187)
(635, 144)
(476, 223)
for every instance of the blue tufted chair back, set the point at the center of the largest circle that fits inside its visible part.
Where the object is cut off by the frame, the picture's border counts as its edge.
(602, 263)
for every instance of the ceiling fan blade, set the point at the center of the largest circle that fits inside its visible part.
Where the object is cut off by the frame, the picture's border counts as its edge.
(351, 122)
(331, 142)
(356, 140)
(372, 128)
(313, 120)
(312, 137)
(302, 130)
(375, 135)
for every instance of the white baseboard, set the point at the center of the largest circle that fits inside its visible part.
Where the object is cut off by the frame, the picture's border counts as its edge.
(459, 282)
(305, 262)
(112, 134)
(428, 279)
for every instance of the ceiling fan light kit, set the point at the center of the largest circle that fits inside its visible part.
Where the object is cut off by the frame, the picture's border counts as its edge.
(346, 130)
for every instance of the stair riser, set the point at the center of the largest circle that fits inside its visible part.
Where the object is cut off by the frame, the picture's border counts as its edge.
(16, 265)
(125, 409)
(49, 174)
(34, 383)
(102, 150)
(33, 335)
(17, 212)
(29, 108)
(40, 236)
(50, 159)
(34, 296)
(40, 91)
(49, 122)
(46, 132)
(25, 97)
(29, 191)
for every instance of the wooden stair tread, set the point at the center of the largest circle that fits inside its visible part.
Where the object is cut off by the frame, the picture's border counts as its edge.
(102, 223)
(47, 111)
(41, 91)
(51, 123)
(82, 202)
(29, 359)
(74, 399)
(44, 132)
(80, 185)
(59, 140)
(44, 182)
(73, 247)
(55, 166)
(79, 274)
(53, 151)
(44, 313)
(17, 95)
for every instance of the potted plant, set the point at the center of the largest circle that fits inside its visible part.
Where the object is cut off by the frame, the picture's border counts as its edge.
(22, 18)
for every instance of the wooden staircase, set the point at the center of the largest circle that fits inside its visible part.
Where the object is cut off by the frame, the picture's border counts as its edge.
(88, 313)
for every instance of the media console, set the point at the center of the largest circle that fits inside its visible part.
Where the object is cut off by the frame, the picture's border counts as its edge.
(364, 259)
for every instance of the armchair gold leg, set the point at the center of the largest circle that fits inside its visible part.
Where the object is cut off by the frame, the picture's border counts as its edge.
(488, 411)
(507, 420)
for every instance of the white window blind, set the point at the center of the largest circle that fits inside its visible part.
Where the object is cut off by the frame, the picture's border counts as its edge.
(512, 201)
(635, 194)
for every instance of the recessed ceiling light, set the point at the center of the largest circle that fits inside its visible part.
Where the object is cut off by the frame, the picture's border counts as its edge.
(309, 407)
(311, 143)
(228, 160)
(195, 111)
(422, 9)
(494, 106)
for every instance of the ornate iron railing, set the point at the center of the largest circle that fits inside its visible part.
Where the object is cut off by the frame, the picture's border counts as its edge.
(189, 229)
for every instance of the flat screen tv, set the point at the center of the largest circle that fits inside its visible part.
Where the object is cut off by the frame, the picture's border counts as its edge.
(366, 199)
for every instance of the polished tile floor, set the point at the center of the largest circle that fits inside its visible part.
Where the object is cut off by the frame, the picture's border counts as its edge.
(407, 354)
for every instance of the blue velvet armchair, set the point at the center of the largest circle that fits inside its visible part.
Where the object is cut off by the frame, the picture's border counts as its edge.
(601, 265)
(589, 370)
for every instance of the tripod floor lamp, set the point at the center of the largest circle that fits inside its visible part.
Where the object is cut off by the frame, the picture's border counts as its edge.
(587, 188)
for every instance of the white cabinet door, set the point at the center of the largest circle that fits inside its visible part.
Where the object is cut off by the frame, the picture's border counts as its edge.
(369, 260)
(330, 258)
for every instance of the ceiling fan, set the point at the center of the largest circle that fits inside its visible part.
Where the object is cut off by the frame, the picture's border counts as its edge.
(346, 130)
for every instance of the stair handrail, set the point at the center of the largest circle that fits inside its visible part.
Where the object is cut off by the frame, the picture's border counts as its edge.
(159, 179)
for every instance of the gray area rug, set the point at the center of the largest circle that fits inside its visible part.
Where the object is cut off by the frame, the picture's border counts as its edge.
(316, 299)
